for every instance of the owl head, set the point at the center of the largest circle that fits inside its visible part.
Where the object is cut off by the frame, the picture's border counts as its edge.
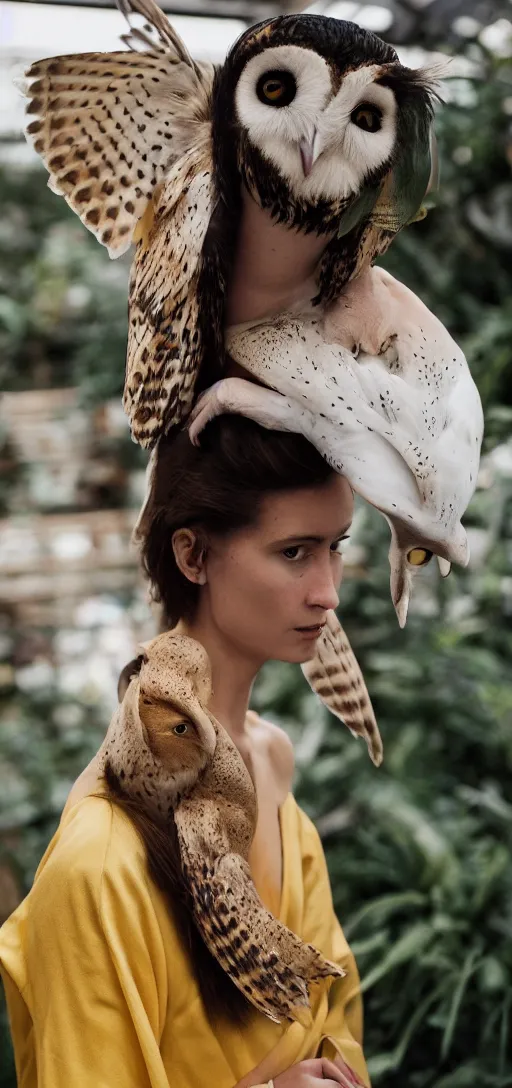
(330, 125)
(161, 737)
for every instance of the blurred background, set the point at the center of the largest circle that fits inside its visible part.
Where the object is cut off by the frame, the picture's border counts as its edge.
(420, 851)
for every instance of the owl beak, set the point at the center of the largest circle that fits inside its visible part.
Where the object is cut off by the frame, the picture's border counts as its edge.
(401, 582)
(309, 153)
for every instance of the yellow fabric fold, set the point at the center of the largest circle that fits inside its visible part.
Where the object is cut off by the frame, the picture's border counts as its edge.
(100, 992)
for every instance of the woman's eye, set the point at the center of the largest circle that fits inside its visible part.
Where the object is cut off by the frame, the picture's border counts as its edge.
(294, 552)
(180, 729)
(337, 547)
(367, 117)
(276, 88)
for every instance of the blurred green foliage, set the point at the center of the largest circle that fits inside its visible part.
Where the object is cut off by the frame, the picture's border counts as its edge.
(420, 850)
(63, 304)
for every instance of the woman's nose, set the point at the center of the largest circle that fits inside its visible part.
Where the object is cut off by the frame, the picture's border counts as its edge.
(323, 591)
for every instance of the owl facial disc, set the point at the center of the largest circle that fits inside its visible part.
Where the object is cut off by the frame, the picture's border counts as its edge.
(324, 135)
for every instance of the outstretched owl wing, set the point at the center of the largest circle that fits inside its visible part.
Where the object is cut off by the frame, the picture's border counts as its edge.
(109, 125)
(270, 965)
(126, 136)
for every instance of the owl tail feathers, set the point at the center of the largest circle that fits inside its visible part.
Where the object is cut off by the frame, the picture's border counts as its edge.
(268, 963)
(335, 676)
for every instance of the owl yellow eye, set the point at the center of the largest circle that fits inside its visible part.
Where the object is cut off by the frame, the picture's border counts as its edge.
(277, 88)
(367, 117)
(180, 729)
(419, 557)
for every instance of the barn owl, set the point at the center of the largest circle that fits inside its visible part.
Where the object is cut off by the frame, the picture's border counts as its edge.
(386, 395)
(172, 757)
(311, 120)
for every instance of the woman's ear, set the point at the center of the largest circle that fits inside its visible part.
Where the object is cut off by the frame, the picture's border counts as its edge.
(190, 554)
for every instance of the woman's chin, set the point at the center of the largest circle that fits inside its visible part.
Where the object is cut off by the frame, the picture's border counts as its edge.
(306, 655)
(297, 655)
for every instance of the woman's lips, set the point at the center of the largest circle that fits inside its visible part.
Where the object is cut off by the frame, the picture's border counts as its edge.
(313, 631)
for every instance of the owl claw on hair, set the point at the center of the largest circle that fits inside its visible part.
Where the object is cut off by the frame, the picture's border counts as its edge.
(208, 405)
(246, 398)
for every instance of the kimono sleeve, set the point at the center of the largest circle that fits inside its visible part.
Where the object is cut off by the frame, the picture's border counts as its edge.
(97, 989)
(343, 1027)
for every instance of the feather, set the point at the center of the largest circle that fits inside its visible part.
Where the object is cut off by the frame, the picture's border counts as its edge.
(127, 140)
(335, 676)
(158, 32)
(164, 341)
(268, 963)
(109, 125)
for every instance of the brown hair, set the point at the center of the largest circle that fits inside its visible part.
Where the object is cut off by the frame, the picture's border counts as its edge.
(216, 488)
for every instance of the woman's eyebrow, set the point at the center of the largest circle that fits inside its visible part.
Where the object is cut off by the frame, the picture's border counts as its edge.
(311, 539)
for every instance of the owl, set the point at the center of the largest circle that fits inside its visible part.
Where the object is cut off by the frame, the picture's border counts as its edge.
(385, 394)
(169, 755)
(301, 156)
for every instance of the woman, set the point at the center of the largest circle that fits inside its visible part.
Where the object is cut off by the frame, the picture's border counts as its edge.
(241, 540)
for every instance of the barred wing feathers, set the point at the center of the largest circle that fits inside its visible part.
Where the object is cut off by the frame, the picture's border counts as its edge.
(108, 126)
(335, 676)
(165, 342)
(269, 964)
(126, 137)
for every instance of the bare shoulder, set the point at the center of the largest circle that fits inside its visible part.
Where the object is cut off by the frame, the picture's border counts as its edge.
(279, 749)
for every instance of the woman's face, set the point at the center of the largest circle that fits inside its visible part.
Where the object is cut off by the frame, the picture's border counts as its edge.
(269, 587)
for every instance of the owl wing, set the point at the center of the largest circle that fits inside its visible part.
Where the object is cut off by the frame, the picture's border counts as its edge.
(109, 125)
(335, 676)
(167, 310)
(270, 965)
(127, 139)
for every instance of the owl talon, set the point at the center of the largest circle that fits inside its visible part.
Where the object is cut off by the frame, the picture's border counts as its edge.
(208, 405)
(241, 397)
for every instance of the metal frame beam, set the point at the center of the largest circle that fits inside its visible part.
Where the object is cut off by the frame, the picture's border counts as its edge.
(250, 11)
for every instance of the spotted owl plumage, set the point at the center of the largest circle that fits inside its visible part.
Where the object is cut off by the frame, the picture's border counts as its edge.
(386, 395)
(149, 146)
(170, 755)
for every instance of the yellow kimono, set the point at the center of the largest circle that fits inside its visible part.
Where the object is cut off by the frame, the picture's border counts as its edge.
(101, 995)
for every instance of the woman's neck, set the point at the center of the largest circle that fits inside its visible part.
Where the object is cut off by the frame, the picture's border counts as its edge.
(233, 674)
